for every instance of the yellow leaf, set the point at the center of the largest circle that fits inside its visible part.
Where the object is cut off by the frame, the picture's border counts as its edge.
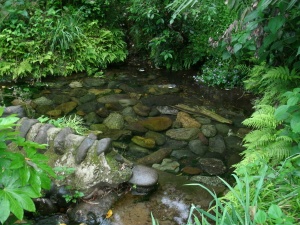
(109, 214)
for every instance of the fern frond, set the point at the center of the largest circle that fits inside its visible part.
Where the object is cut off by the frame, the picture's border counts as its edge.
(259, 139)
(263, 117)
(279, 149)
(277, 73)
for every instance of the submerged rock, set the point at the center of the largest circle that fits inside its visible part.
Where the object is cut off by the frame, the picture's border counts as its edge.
(183, 134)
(157, 123)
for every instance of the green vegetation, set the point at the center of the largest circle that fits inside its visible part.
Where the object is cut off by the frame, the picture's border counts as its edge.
(24, 172)
(250, 43)
(74, 122)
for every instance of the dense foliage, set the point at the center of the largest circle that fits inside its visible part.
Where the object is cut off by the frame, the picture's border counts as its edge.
(24, 171)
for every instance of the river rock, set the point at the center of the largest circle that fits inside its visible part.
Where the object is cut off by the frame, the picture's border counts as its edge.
(143, 142)
(31, 134)
(141, 110)
(18, 110)
(187, 121)
(175, 144)
(25, 125)
(212, 166)
(197, 147)
(136, 127)
(137, 151)
(104, 145)
(203, 139)
(183, 134)
(87, 97)
(209, 130)
(167, 110)
(112, 98)
(127, 102)
(203, 120)
(94, 82)
(72, 142)
(59, 140)
(114, 121)
(189, 170)
(182, 154)
(43, 101)
(208, 180)
(157, 123)
(82, 150)
(88, 107)
(120, 135)
(222, 129)
(168, 165)
(234, 144)
(55, 113)
(100, 91)
(102, 112)
(128, 111)
(41, 136)
(217, 144)
(75, 84)
(155, 157)
(143, 176)
(159, 138)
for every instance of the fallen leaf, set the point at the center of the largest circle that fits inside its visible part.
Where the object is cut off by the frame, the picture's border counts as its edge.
(109, 214)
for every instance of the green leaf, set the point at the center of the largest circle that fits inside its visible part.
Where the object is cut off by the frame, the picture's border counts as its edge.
(293, 100)
(298, 52)
(295, 122)
(281, 113)
(237, 47)
(275, 212)
(24, 201)
(276, 23)
(4, 206)
(15, 206)
(260, 217)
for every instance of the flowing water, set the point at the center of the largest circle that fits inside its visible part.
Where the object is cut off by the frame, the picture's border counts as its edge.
(171, 202)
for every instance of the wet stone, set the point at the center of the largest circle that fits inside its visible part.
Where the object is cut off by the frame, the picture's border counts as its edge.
(197, 147)
(208, 180)
(159, 123)
(191, 170)
(42, 101)
(143, 142)
(175, 144)
(187, 121)
(32, 133)
(159, 138)
(182, 153)
(141, 110)
(67, 107)
(114, 121)
(143, 176)
(18, 110)
(168, 165)
(183, 134)
(212, 166)
(167, 110)
(87, 98)
(222, 129)
(41, 136)
(137, 151)
(217, 144)
(155, 157)
(209, 130)
(72, 142)
(94, 82)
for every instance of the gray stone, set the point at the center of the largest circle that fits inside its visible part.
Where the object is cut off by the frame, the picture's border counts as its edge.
(112, 98)
(141, 110)
(87, 98)
(182, 154)
(72, 142)
(203, 120)
(154, 112)
(116, 134)
(167, 110)
(222, 129)
(143, 176)
(18, 110)
(75, 84)
(41, 137)
(137, 151)
(234, 144)
(33, 131)
(168, 165)
(59, 140)
(208, 180)
(43, 101)
(92, 118)
(217, 144)
(114, 121)
(197, 147)
(94, 82)
(127, 102)
(128, 111)
(209, 130)
(183, 134)
(88, 107)
(212, 166)
(82, 150)
(25, 126)
(104, 145)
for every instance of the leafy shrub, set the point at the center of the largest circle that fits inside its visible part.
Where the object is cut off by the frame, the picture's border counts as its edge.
(222, 74)
(57, 42)
(24, 172)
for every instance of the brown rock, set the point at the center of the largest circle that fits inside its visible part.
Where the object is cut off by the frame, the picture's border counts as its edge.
(67, 107)
(187, 121)
(191, 170)
(203, 139)
(141, 110)
(143, 142)
(54, 113)
(157, 123)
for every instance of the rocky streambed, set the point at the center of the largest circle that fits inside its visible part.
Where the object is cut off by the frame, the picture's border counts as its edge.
(149, 134)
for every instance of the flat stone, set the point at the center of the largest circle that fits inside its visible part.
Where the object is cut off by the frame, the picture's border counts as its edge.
(141, 110)
(155, 157)
(72, 142)
(32, 133)
(143, 176)
(41, 136)
(168, 165)
(191, 170)
(18, 110)
(114, 121)
(209, 130)
(217, 144)
(197, 147)
(159, 123)
(183, 134)
(25, 126)
(143, 142)
(187, 121)
(59, 140)
(159, 138)
(212, 166)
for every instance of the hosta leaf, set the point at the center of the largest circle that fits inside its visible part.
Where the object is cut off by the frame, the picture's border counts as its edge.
(4, 206)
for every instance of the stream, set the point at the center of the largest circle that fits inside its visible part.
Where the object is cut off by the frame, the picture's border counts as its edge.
(151, 92)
